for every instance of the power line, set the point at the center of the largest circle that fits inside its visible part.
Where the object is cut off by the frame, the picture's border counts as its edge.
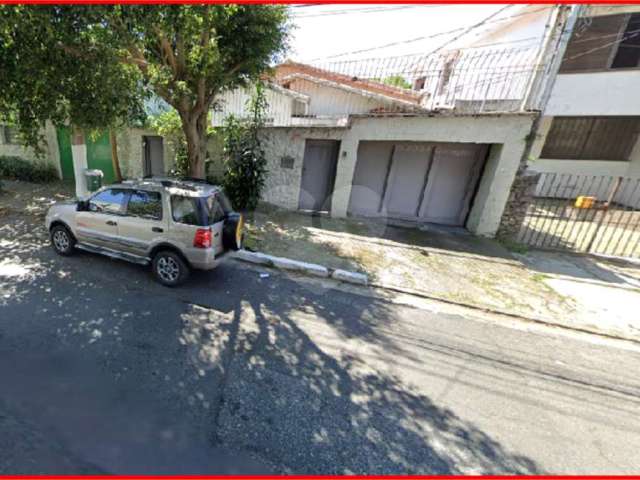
(363, 10)
(634, 33)
(469, 29)
(506, 42)
(417, 39)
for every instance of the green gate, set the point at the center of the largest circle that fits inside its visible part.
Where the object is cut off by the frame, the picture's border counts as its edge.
(66, 158)
(98, 155)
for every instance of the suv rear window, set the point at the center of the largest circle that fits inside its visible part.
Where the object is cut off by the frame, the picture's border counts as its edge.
(185, 210)
(199, 211)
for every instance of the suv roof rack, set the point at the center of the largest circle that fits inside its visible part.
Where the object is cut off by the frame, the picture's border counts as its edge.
(196, 180)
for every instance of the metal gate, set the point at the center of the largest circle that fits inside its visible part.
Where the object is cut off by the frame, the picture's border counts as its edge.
(584, 213)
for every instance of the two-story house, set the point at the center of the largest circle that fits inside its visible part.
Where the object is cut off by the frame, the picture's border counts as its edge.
(590, 124)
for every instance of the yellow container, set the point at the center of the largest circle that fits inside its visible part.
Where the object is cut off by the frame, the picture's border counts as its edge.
(585, 202)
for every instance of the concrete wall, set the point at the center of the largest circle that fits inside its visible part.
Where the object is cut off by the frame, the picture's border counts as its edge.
(599, 93)
(130, 152)
(51, 153)
(507, 133)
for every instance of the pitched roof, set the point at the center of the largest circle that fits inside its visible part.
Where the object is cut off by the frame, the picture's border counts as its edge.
(290, 69)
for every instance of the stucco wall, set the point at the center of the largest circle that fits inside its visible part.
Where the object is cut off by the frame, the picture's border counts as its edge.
(507, 132)
(51, 153)
(598, 93)
(130, 152)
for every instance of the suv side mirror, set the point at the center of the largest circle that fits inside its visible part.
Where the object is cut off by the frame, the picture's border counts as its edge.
(83, 206)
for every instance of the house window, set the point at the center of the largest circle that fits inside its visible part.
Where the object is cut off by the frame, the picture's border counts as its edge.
(603, 43)
(628, 54)
(299, 108)
(591, 138)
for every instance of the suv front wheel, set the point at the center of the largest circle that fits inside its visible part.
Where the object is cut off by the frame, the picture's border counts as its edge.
(169, 269)
(62, 240)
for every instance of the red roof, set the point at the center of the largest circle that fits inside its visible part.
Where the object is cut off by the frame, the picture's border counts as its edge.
(290, 68)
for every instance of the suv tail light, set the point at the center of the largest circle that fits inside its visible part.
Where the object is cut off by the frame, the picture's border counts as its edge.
(202, 238)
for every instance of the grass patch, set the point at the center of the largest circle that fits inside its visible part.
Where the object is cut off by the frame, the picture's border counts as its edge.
(513, 246)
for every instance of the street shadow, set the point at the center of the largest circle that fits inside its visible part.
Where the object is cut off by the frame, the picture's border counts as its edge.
(330, 408)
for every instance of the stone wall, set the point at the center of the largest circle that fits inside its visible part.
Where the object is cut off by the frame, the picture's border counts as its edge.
(520, 197)
(284, 149)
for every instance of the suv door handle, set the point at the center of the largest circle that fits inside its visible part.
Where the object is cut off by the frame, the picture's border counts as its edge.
(112, 223)
(157, 229)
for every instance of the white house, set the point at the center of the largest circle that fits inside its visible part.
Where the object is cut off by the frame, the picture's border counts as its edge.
(366, 138)
(591, 122)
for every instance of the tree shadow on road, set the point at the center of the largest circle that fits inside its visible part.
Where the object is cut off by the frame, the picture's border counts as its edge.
(331, 409)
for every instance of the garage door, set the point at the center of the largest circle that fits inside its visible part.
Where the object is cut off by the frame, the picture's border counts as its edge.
(418, 181)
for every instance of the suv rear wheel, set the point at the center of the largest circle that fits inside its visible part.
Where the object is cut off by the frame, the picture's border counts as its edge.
(62, 240)
(169, 269)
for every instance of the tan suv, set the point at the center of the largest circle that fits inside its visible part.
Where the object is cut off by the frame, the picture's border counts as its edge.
(174, 225)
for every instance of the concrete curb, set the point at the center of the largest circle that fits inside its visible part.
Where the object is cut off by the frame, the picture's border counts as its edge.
(314, 269)
(548, 322)
(362, 280)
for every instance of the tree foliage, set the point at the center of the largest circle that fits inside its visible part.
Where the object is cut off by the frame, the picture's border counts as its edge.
(244, 159)
(169, 126)
(95, 65)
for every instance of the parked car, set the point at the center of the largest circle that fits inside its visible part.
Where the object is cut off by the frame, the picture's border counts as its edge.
(174, 225)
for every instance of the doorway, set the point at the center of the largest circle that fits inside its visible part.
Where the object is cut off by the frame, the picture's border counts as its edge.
(318, 174)
(153, 156)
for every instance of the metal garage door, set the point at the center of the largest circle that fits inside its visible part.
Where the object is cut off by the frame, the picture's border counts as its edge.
(418, 181)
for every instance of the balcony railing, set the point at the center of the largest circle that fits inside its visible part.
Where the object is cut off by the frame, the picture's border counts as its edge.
(471, 81)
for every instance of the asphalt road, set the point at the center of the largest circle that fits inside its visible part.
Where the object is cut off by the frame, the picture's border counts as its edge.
(104, 371)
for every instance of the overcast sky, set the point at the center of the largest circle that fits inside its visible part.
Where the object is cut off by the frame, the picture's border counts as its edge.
(329, 30)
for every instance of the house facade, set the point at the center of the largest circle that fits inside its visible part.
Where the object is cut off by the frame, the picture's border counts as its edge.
(424, 141)
(140, 152)
(590, 125)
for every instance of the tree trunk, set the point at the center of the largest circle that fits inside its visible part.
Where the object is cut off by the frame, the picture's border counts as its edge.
(114, 155)
(195, 130)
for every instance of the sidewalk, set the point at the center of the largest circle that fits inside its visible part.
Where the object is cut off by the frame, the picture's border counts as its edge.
(569, 290)
(581, 292)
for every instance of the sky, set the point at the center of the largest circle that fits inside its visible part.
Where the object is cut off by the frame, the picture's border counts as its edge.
(325, 32)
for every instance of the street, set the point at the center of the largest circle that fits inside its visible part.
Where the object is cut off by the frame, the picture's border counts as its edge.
(253, 371)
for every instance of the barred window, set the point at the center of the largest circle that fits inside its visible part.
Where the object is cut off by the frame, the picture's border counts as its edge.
(603, 43)
(591, 138)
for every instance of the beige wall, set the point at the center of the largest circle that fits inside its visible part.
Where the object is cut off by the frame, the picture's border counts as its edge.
(506, 131)
(51, 153)
(130, 151)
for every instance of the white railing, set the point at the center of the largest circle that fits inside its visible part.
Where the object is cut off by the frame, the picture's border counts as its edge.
(326, 94)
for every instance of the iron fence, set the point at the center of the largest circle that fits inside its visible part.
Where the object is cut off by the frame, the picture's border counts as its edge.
(473, 80)
(584, 213)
